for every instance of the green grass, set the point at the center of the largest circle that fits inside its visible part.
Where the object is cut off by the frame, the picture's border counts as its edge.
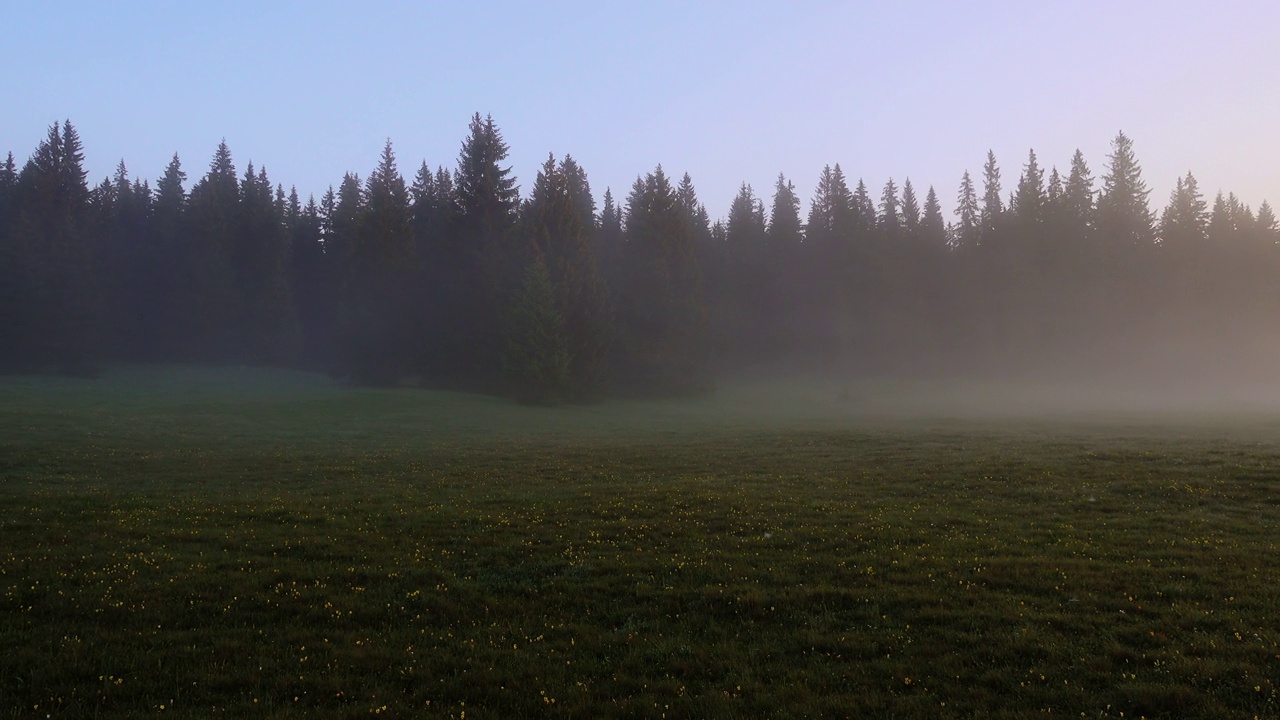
(193, 542)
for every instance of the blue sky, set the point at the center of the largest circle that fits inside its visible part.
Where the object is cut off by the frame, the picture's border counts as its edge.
(728, 91)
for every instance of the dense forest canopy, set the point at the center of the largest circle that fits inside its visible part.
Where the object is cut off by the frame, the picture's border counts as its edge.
(456, 279)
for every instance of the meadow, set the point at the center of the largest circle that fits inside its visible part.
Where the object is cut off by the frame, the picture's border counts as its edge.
(221, 541)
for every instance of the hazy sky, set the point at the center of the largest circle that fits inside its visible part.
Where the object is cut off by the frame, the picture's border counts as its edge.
(728, 91)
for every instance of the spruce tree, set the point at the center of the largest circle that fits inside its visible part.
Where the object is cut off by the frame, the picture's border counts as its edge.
(745, 298)
(607, 241)
(168, 222)
(832, 211)
(558, 225)
(537, 358)
(910, 210)
(785, 232)
(311, 279)
(992, 206)
(1123, 215)
(660, 306)
(58, 325)
(267, 323)
(491, 261)
(933, 229)
(376, 332)
(211, 298)
(861, 223)
(1185, 221)
(12, 269)
(1266, 226)
(1029, 199)
(784, 251)
(890, 216)
(1078, 200)
(695, 212)
(969, 225)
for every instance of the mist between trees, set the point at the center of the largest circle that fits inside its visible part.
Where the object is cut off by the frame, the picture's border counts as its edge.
(455, 280)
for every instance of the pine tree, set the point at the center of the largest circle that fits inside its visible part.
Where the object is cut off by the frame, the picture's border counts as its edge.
(607, 241)
(558, 225)
(890, 216)
(128, 265)
(58, 325)
(785, 233)
(1185, 221)
(992, 207)
(377, 332)
(1078, 199)
(831, 211)
(695, 213)
(580, 190)
(745, 297)
(910, 210)
(168, 227)
(933, 229)
(785, 245)
(311, 279)
(1266, 226)
(212, 301)
(969, 225)
(1029, 200)
(488, 204)
(12, 271)
(861, 223)
(267, 325)
(1123, 215)
(660, 305)
(537, 358)
(745, 229)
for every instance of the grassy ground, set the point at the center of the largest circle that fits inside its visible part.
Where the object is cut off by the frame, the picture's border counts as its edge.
(194, 542)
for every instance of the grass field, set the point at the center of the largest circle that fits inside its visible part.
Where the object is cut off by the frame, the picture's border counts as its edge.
(196, 542)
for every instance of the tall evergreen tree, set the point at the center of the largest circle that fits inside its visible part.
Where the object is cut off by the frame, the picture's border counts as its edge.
(1029, 199)
(488, 204)
(969, 225)
(1185, 221)
(660, 305)
(910, 209)
(267, 326)
(745, 296)
(1123, 214)
(211, 300)
(1078, 199)
(785, 232)
(558, 224)
(862, 224)
(933, 229)
(1266, 226)
(831, 211)
(695, 213)
(312, 282)
(537, 358)
(376, 333)
(992, 206)
(58, 324)
(745, 229)
(890, 215)
(127, 266)
(607, 241)
(12, 268)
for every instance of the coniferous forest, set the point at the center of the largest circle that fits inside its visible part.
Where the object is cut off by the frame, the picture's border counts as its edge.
(453, 278)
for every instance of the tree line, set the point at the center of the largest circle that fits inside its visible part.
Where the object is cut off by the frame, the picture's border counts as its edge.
(457, 280)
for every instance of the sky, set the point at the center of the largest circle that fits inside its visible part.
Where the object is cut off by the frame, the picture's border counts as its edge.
(730, 92)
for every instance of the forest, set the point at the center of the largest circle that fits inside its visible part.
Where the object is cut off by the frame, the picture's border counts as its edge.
(456, 280)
